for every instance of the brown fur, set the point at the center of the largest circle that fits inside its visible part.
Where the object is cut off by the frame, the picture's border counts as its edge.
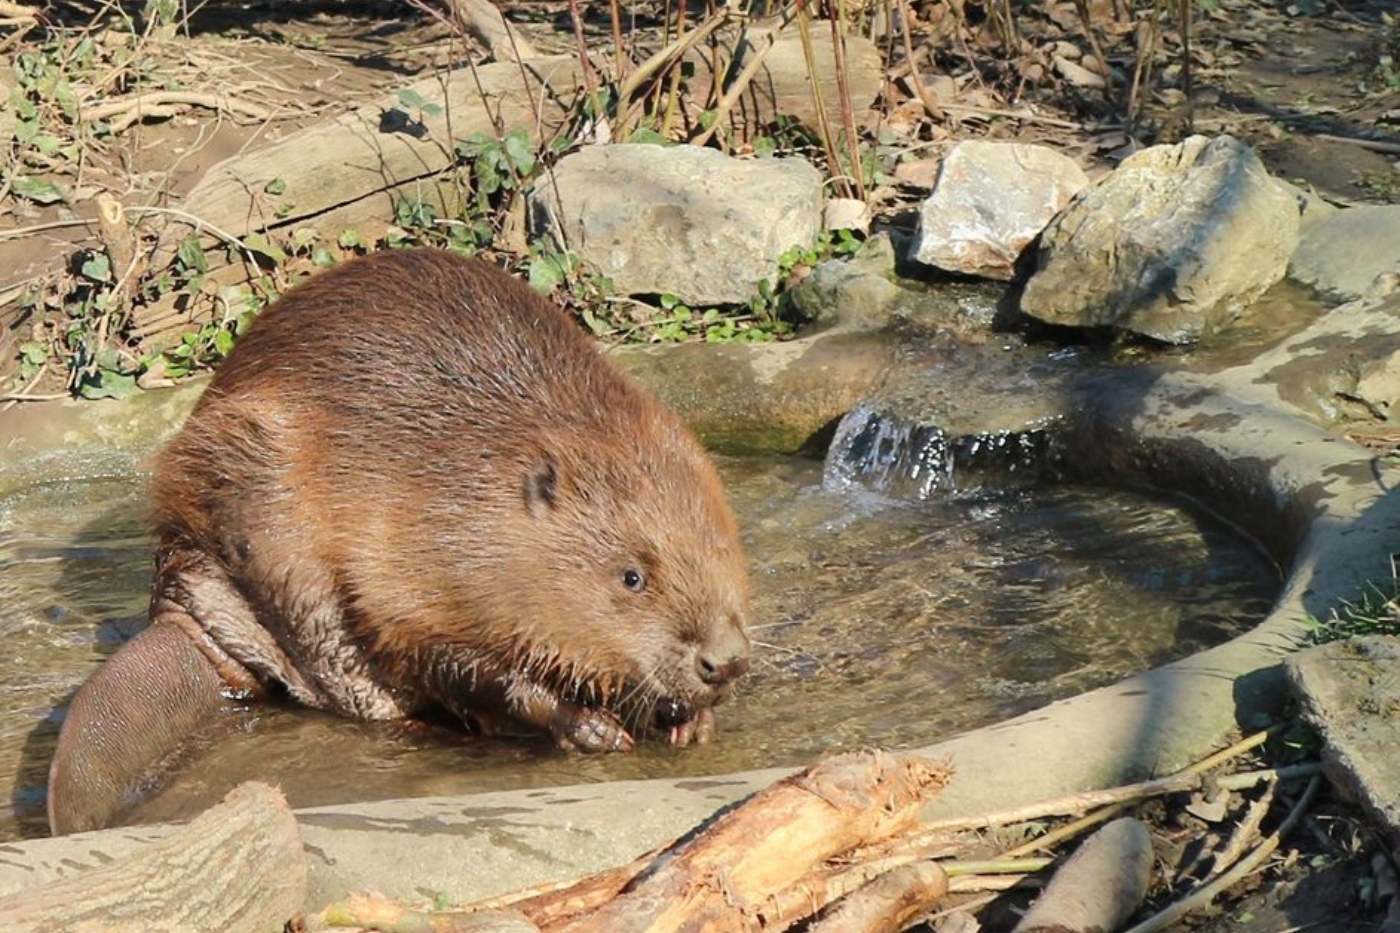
(416, 483)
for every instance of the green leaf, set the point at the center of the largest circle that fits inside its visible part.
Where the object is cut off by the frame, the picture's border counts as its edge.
(276, 186)
(764, 146)
(474, 145)
(63, 93)
(46, 144)
(431, 109)
(707, 119)
(191, 255)
(546, 273)
(33, 352)
(37, 190)
(350, 239)
(262, 245)
(488, 180)
(223, 343)
(322, 257)
(27, 130)
(107, 383)
(521, 153)
(98, 268)
(411, 98)
(648, 136)
(669, 301)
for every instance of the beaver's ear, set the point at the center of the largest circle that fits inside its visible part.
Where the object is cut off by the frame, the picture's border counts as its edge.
(541, 485)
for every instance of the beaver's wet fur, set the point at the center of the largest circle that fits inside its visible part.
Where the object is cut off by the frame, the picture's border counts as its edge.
(416, 484)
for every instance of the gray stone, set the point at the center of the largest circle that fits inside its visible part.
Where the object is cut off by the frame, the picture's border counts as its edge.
(1344, 254)
(1170, 245)
(680, 219)
(847, 214)
(858, 291)
(1349, 691)
(990, 201)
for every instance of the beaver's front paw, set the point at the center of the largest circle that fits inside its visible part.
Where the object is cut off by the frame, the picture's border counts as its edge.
(697, 731)
(589, 729)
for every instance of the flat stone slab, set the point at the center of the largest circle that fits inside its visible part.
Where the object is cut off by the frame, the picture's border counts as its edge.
(1349, 692)
(1343, 253)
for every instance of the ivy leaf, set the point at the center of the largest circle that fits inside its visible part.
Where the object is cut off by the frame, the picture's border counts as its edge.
(262, 245)
(521, 153)
(276, 186)
(37, 190)
(223, 342)
(108, 383)
(546, 273)
(191, 255)
(322, 257)
(411, 98)
(645, 134)
(98, 268)
(350, 238)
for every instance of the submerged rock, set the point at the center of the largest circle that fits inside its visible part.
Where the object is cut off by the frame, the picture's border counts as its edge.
(1349, 692)
(683, 220)
(990, 201)
(1344, 253)
(1170, 245)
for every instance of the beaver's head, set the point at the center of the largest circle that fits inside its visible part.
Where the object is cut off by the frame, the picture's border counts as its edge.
(623, 578)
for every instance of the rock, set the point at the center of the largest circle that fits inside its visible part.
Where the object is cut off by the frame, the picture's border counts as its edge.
(858, 291)
(1343, 253)
(782, 86)
(1312, 209)
(847, 214)
(1349, 691)
(990, 201)
(1170, 245)
(1077, 74)
(680, 219)
(920, 173)
(1343, 367)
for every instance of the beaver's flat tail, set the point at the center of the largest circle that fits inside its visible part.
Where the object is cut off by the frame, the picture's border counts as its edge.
(137, 709)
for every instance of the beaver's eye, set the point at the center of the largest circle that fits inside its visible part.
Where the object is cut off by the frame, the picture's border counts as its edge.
(633, 580)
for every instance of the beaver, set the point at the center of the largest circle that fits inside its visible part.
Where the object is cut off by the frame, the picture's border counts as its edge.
(415, 486)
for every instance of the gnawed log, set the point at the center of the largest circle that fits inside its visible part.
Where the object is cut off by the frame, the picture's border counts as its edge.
(889, 903)
(239, 866)
(373, 912)
(1099, 887)
(718, 878)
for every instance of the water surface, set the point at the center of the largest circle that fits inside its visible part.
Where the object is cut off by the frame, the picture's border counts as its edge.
(879, 621)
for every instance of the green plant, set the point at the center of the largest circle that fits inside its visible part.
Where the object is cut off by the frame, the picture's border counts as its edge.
(1375, 611)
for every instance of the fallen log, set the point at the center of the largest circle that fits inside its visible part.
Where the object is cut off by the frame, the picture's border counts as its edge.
(1099, 887)
(237, 867)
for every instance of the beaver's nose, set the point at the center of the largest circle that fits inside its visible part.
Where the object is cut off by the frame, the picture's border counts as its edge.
(718, 667)
(716, 671)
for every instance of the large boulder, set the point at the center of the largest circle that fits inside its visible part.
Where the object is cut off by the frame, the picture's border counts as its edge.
(1170, 245)
(683, 220)
(1344, 253)
(990, 201)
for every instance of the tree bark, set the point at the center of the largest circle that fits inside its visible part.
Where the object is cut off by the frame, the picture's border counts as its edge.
(239, 867)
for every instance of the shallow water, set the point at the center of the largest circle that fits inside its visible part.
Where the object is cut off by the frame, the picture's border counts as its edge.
(879, 621)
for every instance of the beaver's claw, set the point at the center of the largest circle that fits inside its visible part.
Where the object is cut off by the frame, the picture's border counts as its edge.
(589, 729)
(697, 731)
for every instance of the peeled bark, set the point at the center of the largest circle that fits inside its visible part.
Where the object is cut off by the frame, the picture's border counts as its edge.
(718, 879)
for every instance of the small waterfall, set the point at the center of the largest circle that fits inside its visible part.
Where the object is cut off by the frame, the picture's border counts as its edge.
(886, 454)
